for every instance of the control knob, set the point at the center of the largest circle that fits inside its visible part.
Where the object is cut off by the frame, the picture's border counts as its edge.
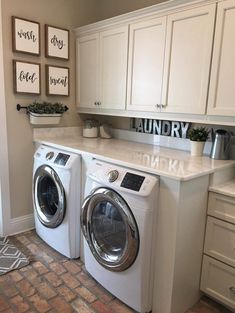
(49, 155)
(113, 175)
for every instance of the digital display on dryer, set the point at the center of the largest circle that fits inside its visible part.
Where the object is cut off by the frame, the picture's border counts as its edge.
(132, 181)
(62, 159)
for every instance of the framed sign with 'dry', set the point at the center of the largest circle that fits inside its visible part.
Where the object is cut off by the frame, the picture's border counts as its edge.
(57, 42)
(25, 36)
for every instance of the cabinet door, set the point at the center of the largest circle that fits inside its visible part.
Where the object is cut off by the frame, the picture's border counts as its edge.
(222, 91)
(218, 281)
(146, 60)
(87, 70)
(222, 207)
(220, 240)
(187, 60)
(113, 68)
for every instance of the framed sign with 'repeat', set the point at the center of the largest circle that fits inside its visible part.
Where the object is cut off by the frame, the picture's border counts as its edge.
(57, 81)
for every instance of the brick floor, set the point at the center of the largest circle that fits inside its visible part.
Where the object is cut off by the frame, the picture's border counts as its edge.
(52, 283)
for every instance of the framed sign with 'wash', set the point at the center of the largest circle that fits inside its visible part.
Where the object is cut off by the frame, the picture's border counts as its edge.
(25, 36)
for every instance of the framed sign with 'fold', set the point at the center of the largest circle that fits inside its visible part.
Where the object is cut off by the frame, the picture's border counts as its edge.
(57, 80)
(27, 77)
(57, 42)
(25, 36)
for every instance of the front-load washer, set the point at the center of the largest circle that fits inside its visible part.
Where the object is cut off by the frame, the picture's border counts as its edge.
(56, 199)
(118, 222)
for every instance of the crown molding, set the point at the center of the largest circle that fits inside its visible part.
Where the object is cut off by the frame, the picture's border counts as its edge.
(159, 9)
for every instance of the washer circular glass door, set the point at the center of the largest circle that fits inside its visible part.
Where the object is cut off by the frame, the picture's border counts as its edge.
(110, 229)
(48, 197)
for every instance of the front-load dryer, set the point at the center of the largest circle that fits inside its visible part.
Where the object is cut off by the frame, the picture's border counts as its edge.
(118, 222)
(56, 199)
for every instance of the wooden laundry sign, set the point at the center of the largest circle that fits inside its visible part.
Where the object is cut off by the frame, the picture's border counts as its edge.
(159, 127)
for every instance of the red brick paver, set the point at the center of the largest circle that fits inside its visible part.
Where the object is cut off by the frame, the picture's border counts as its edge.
(52, 283)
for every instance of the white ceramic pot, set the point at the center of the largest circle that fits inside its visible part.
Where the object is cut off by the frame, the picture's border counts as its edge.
(197, 148)
(44, 119)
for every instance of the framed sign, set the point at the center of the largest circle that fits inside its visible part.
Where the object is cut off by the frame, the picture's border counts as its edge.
(57, 80)
(25, 36)
(27, 77)
(57, 42)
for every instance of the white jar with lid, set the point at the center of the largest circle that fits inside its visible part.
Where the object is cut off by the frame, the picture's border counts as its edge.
(90, 129)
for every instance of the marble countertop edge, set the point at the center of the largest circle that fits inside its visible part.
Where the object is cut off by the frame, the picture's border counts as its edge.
(171, 163)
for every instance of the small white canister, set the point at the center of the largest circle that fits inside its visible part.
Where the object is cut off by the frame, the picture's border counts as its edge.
(105, 131)
(90, 129)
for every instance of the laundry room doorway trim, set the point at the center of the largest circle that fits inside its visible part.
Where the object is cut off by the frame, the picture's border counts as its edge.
(5, 210)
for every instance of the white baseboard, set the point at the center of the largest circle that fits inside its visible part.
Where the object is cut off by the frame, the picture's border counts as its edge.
(21, 224)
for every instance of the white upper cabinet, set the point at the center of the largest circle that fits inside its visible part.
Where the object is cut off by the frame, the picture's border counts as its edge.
(113, 68)
(146, 60)
(177, 60)
(102, 69)
(187, 60)
(221, 99)
(87, 70)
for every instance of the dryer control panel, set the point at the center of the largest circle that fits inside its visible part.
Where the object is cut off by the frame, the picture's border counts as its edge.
(132, 181)
(121, 179)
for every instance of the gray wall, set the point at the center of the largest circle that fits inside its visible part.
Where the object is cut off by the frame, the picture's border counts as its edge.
(63, 13)
(110, 8)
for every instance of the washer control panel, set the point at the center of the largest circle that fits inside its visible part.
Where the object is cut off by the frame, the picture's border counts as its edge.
(132, 181)
(61, 159)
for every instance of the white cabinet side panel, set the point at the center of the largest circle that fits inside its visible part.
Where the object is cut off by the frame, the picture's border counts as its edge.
(222, 91)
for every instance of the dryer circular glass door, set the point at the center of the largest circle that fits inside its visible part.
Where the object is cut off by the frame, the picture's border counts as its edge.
(110, 229)
(49, 197)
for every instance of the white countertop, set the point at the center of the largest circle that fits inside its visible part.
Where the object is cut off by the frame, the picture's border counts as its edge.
(176, 164)
(227, 188)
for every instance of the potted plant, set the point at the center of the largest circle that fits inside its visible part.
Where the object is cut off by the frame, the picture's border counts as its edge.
(198, 137)
(45, 113)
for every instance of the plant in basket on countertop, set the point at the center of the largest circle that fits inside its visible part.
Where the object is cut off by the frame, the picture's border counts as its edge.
(46, 113)
(198, 137)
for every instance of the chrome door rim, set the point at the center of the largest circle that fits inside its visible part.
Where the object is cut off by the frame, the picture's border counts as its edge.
(132, 239)
(58, 217)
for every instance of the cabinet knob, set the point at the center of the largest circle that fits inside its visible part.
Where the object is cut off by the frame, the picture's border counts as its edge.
(163, 105)
(99, 103)
(158, 106)
(232, 288)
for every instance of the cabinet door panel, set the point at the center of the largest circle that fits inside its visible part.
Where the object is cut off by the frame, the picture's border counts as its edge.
(187, 60)
(222, 207)
(218, 281)
(220, 240)
(87, 70)
(113, 68)
(222, 91)
(146, 60)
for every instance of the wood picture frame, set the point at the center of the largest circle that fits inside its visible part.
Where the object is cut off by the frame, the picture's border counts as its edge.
(57, 81)
(25, 36)
(27, 77)
(57, 42)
